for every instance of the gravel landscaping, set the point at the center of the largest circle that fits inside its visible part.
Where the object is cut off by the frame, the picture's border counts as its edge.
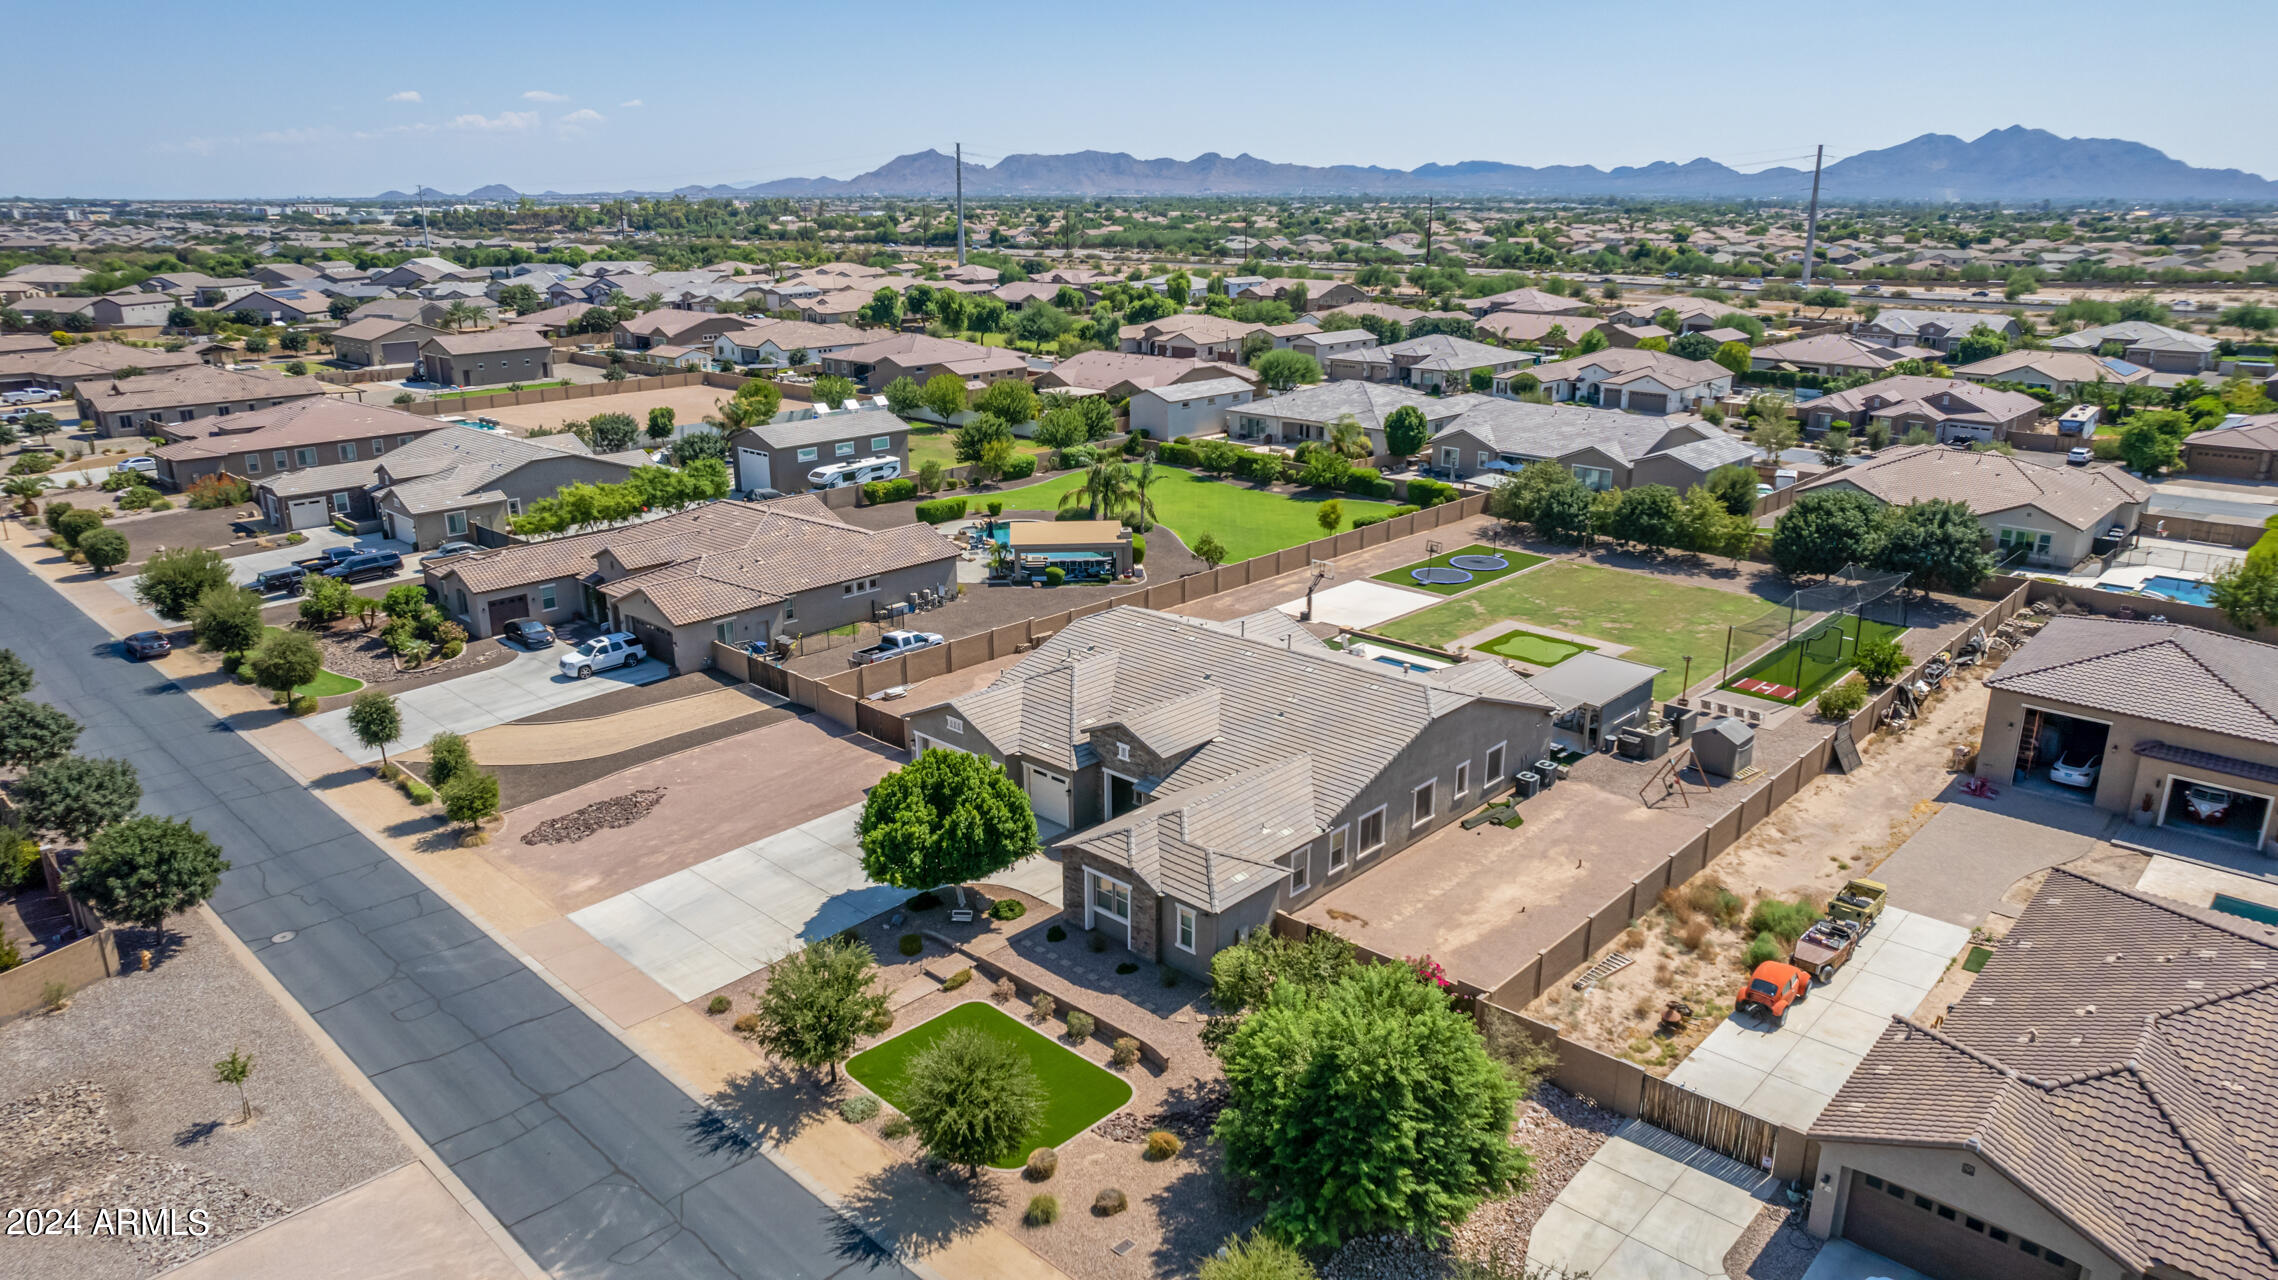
(601, 815)
(118, 1095)
(1765, 1252)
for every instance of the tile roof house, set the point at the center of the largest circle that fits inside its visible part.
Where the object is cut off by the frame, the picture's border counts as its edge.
(1120, 374)
(2063, 372)
(1834, 355)
(736, 572)
(63, 368)
(436, 488)
(380, 340)
(1604, 448)
(919, 358)
(668, 326)
(299, 434)
(1938, 330)
(1949, 408)
(495, 357)
(783, 455)
(141, 405)
(1176, 410)
(2049, 513)
(1294, 417)
(772, 343)
(1632, 379)
(1528, 302)
(1434, 362)
(2097, 1104)
(1196, 776)
(2242, 448)
(2141, 342)
(1535, 329)
(1190, 336)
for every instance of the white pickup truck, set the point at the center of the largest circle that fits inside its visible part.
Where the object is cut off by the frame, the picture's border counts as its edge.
(894, 644)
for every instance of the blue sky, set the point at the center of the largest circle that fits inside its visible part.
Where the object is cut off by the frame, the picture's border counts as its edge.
(579, 97)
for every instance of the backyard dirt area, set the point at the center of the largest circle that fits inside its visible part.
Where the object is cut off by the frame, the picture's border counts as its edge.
(688, 404)
(1837, 827)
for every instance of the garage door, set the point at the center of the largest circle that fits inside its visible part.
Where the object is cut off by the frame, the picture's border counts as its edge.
(1940, 1240)
(753, 470)
(654, 638)
(1649, 401)
(1048, 793)
(504, 611)
(398, 352)
(305, 513)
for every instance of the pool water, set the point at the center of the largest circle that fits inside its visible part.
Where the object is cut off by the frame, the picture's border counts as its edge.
(2186, 590)
(2254, 911)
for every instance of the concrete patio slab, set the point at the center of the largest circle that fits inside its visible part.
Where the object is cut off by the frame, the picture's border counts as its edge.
(1842, 1260)
(1711, 1073)
(1614, 1199)
(1779, 1096)
(1565, 1238)
(1360, 604)
(1649, 1204)
(1692, 1235)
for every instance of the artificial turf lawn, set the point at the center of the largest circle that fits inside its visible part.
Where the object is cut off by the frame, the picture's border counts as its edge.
(1541, 651)
(1479, 577)
(326, 684)
(1247, 521)
(1816, 672)
(1076, 1092)
(1660, 621)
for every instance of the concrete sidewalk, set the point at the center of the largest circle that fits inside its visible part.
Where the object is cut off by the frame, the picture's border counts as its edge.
(1649, 1206)
(531, 683)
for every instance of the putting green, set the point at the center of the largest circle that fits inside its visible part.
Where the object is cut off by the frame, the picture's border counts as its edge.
(1077, 1093)
(1542, 651)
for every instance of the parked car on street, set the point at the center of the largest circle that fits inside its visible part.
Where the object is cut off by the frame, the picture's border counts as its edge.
(142, 646)
(287, 579)
(2076, 769)
(365, 566)
(529, 633)
(601, 653)
(1774, 988)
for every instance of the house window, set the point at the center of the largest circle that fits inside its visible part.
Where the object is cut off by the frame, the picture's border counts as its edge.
(1111, 898)
(1339, 838)
(860, 586)
(1186, 929)
(879, 444)
(1372, 831)
(401, 441)
(1494, 772)
(347, 451)
(514, 506)
(306, 457)
(455, 523)
(283, 459)
(1123, 751)
(1595, 479)
(809, 455)
(253, 464)
(340, 502)
(1463, 780)
(724, 632)
(844, 448)
(546, 597)
(379, 446)
(1301, 871)
(1426, 803)
(953, 724)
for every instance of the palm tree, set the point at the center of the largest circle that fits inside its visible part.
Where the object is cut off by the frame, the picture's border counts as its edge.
(460, 314)
(1143, 495)
(1106, 489)
(26, 491)
(1348, 437)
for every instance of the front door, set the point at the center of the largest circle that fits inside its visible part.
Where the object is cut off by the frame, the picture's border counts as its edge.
(1048, 794)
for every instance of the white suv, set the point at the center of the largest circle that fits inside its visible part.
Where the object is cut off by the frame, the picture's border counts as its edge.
(615, 649)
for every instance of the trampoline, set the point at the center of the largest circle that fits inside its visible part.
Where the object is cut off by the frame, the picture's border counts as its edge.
(1441, 575)
(1480, 564)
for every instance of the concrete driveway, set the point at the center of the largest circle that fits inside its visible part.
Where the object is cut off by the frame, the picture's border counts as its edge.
(1842, 1260)
(699, 929)
(1787, 1074)
(531, 683)
(1649, 1206)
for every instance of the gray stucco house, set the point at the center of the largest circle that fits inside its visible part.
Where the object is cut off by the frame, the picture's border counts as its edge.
(781, 455)
(1196, 776)
(438, 487)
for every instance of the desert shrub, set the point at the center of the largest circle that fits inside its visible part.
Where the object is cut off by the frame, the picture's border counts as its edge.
(1694, 934)
(1041, 1008)
(1163, 1144)
(1079, 1025)
(1125, 1051)
(1680, 908)
(303, 705)
(208, 492)
(911, 944)
(1056, 934)
(1042, 1164)
(1005, 991)
(1043, 1211)
(1707, 896)
(1110, 1202)
(719, 1005)
(957, 979)
(1763, 947)
(1842, 701)
(416, 791)
(859, 1109)
(448, 756)
(1054, 575)
(878, 491)
(1787, 919)
(747, 1025)
(1008, 909)
(895, 1128)
(941, 510)
(1263, 1256)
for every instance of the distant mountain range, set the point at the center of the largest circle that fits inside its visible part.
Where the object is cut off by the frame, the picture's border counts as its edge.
(2012, 164)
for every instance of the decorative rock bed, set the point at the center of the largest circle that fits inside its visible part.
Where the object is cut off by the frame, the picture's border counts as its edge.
(600, 816)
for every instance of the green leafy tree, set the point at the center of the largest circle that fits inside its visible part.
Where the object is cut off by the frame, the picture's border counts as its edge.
(972, 1097)
(944, 395)
(523, 298)
(1060, 429)
(1937, 544)
(325, 600)
(33, 733)
(1405, 431)
(819, 1002)
(1648, 515)
(470, 797)
(1105, 492)
(235, 1070)
(944, 818)
(2247, 593)
(754, 404)
(172, 580)
(1824, 531)
(1282, 369)
(1735, 486)
(104, 549)
(979, 432)
(1774, 435)
(1835, 445)
(2148, 449)
(1011, 399)
(1324, 467)
(15, 675)
(1329, 515)
(1040, 323)
(1373, 1106)
(1693, 346)
(285, 661)
(883, 311)
(1879, 659)
(612, 432)
(77, 796)
(832, 389)
(227, 620)
(1210, 550)
(144, 869)
(1980, 343)
(661, 423)
(1592, 342)
(904, 396)
(76, 523)
(376, 721)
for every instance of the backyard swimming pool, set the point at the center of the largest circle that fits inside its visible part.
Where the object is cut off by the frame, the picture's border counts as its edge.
(2186, 590)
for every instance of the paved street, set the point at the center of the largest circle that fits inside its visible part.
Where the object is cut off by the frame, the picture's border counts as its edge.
(595, 1162)
(531, 683)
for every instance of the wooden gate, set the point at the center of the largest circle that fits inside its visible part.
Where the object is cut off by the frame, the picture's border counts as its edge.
(1699, 1118)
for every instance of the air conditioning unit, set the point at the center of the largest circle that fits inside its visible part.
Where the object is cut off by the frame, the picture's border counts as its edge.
(1547, 771)
(1530, 784)
(1631, 744)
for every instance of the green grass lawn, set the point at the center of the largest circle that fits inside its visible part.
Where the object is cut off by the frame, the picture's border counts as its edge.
(1534, 650)
(929, 443)
(1077, 1094)
(492, 391)
(326, 684)
(1660, 620)
(1813, 661)
(1517, 560)
(1246, 521)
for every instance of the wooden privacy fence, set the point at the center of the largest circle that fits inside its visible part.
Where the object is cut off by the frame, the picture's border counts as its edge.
(1699, 1118)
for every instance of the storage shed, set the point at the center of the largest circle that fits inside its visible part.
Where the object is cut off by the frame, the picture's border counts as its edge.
(1597, 696)
(1725, 747)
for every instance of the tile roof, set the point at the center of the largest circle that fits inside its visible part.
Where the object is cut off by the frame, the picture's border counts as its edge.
(200, 383)
(318, 420)
(1260, 768)
(1183, 391)
(1370, 403)
(1440, 352)
(1840, 349)
(450, 467)
(1669, 370)
(2057, 366)
(1100, 370)
(2080, 496)
(1939, 398)
(91, 360)
(823, 428)
(507, 339)
(2134, 333)
(2258, 432)
(2158, 671)
(373, 328)
(1556, 430)
(2112, 1060)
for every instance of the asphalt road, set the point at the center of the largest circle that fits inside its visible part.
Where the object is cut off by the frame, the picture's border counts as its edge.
(595, 1162)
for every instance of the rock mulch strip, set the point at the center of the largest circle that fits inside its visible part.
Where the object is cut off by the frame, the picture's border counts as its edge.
(1765, 1252)
(1560, 1132)
(64, 1156)
(1190, 1116)
(600, 816)
(362, 655)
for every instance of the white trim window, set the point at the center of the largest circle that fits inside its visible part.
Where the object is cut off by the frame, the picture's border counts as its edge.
(1371, 831)
(253, 464)
(953, 724)
(455, 523)
(1123, 751)
(1105, 896)
(1595, 479)
(546, 597)
(1300, 871)
(1463, 780)
(1340, 845)
(1186, 928)
(1494, 772)
(1426, 804)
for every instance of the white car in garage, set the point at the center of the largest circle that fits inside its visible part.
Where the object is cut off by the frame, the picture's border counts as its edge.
(602, 653)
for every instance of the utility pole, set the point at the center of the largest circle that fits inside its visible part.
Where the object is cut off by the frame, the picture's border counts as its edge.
(960, 204)
(1431, 206)
(1811, 220)
(424, 238)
